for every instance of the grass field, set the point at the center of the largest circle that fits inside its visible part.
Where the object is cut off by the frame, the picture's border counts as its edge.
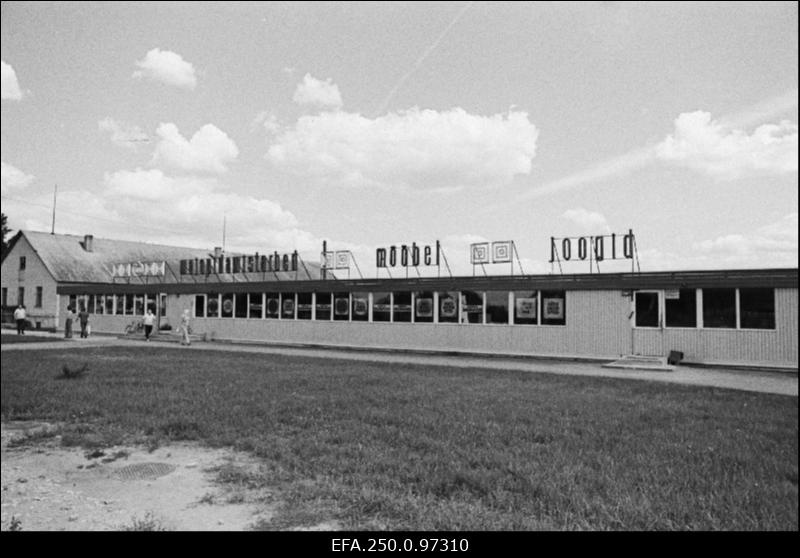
(389, 446)
(9, 338)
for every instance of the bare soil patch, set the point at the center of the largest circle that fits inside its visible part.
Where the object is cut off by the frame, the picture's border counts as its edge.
(48, 487)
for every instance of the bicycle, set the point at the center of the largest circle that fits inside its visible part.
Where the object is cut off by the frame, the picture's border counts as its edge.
(134, 327)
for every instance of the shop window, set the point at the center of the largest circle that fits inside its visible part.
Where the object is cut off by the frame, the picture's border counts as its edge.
(341, 306)
(719, 308)
(381, 307)
(129, 305)
(73, 302)
(119, 307)
(681, 308)
(526, 307)
(226, 309)
(360, 307)
(138, 300)
(240, 305)
(38, 300)
(448, 307)
(90, 304)
(757, 308)
(110, 304)
(163, 304)
(199, 306)
(401, 307)
(255, 305)
(496, 307)
(471, 307)
(305, 306)
(423, 307)
(287, 306)
(273, 309)
(554, 308)
(99, 304)
(21, 296)
(212, 305)
(647, 309)
(324, 306)
(150, 303)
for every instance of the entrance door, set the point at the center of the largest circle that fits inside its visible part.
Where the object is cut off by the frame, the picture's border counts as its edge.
(647, 324)
(161, 309)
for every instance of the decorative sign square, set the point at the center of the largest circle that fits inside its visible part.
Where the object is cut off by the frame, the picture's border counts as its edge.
(501, 251)
(342, 260)
(479, 253)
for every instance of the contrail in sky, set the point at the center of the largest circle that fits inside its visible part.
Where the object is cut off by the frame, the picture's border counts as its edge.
(421, 59)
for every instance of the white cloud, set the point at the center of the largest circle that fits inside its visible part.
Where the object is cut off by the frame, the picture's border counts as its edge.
(703, 144)
(13, 178)
(312, 91)
(423, 149)
(9, 86)
(588, 220)
(267, 120)
(123, 134)
(167, 67)
(208, 150)
(769, 246)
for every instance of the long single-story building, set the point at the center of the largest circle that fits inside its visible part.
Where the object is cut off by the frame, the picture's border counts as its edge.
(746, 317)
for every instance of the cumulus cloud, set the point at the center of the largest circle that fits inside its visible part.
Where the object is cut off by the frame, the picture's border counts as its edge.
(771, 245)
(9, 86)
(208, 150)
(312, 91)
(123, 134)
(167, 67)
(706, 145)
(267, 120)
(13, 178)
(423, 149)
(587, 220)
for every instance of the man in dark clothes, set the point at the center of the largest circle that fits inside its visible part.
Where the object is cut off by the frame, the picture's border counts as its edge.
(83, 316)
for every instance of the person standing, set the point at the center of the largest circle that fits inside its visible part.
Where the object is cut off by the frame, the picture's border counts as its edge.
(83, 317)
(149, 320)
(185, 328)
(68, 324)
(20, 316)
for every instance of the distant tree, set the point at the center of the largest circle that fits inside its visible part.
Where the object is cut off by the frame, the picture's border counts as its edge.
(6, 232)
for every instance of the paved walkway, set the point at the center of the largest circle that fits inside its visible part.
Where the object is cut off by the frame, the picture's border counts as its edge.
(783, 383)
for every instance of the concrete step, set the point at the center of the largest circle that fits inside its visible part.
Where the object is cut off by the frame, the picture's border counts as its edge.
(642, 362)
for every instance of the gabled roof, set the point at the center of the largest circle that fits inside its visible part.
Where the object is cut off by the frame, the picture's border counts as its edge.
(66, 258)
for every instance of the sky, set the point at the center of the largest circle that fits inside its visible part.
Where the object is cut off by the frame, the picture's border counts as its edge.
(275, 126)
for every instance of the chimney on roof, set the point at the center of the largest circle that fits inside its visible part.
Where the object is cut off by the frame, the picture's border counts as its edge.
(88, 241)
(217, 251)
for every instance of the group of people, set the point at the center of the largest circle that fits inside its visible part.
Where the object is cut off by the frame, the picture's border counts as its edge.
(83, 319)
(148, 321)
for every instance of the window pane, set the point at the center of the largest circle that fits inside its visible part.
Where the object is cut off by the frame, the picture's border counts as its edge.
(240, 305)
(255, 305)
(110, 304)
(128, 304)
(212, 305)
(497, 307)
(682, 311)
(423, 306)
(360, 307)
(324, 306)
(402, 307)
(287, 306)
(646, 309)
(99, 304)
(381, 307)
(554, 308)
(273, 306)
(526, 307)
(719, 308)
(341, 306)
(448, 308)
(120, 308)
(38, 303)
(471, 307)
(304, 306)
(90, 307)
(138, 301)
(200, 306)
(757, 308)
(227, 305)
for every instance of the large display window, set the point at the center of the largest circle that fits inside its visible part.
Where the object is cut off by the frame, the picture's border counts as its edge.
(212, 305)
(471, 307)
(360, 307)
(681, 308)
(199, 306)
(719, 308)
(554, 308)
(526, 307)
(273, 306)
(496, 307)
(423, 307)
(381, 307)
(324, 306)
(287, 306)
(448, 307)
(255, 305)
(305, 306)
(226, 311)
(757, 308)
(401, 306)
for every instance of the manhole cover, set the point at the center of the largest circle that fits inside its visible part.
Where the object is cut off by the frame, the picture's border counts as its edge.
(143, 471)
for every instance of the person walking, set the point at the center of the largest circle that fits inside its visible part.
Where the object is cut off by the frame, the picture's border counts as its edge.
(83, 317)
(20, 316)
(149, 320)
(185, 328)
(68, 324)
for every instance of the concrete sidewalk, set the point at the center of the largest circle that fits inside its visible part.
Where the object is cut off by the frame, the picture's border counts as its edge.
(777, 382)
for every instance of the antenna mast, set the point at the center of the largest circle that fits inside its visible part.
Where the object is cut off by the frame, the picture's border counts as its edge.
(53, 226)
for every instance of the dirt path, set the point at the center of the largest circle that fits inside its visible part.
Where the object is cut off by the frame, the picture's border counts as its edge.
(48, 487)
